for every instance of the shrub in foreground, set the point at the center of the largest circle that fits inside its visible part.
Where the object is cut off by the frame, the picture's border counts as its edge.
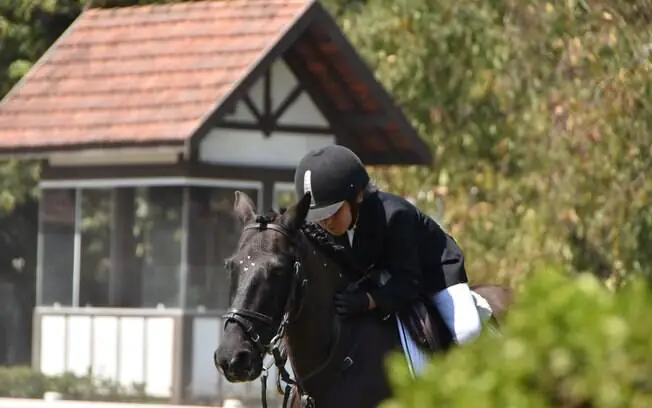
(568, 342)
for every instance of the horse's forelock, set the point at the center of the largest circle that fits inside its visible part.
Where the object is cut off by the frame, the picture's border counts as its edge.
(326, 244)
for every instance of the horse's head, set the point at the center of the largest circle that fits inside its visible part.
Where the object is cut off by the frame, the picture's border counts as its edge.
(266, 264)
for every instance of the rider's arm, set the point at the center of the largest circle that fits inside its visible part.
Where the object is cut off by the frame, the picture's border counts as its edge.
(453, 295)
(457, 307)
(404, 264)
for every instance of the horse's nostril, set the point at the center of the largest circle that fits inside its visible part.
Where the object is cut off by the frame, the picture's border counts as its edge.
(241, 361)
(220, 365)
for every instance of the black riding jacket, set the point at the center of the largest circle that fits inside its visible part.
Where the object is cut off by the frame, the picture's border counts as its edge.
(393, 235)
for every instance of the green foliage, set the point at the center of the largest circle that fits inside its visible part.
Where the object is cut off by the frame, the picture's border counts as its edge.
(24, 382)
(27, 29)
(539, 117)
(569, 342)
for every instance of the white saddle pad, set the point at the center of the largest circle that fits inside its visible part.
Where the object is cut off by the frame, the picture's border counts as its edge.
(418, 358)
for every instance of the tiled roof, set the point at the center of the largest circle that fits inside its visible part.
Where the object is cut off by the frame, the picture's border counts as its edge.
(166, 74)
(145, 74)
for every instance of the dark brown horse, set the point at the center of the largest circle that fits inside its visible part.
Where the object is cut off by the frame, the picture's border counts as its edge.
(285, 289)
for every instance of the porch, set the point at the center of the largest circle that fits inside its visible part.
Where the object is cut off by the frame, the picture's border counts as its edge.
(131, 283)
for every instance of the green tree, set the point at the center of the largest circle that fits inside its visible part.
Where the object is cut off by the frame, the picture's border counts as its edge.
(538, 117)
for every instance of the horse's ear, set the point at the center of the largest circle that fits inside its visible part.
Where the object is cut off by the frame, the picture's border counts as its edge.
(295, 216)
(244, 208)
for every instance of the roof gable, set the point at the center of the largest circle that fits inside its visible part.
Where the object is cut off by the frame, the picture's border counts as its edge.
(166, 74)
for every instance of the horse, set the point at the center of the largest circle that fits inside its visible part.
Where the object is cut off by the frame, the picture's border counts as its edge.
(287, 275)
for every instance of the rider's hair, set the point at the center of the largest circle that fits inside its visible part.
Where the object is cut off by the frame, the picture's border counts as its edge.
(355, 206)
(371, 187)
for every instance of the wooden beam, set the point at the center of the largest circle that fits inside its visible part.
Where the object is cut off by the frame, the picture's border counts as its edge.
(287, 102)
(312, 51)
(267, 122)
(252, 108)
(366, 121)
(304, 129)
(230, 109)
(319, 55)
(334, 33)
(267, 93)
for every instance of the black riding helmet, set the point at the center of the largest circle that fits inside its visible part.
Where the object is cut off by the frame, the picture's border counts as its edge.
(332, 175)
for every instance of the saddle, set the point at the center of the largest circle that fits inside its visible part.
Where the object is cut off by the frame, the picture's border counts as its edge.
(426, 326)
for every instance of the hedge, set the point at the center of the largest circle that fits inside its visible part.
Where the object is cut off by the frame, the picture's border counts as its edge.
(25, 382)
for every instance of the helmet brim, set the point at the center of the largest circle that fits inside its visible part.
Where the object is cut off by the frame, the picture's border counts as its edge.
(322, 213)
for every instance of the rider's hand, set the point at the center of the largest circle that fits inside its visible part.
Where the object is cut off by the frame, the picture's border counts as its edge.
(347, 304)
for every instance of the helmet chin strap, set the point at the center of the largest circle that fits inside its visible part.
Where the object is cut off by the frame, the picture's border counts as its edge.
(355, 212)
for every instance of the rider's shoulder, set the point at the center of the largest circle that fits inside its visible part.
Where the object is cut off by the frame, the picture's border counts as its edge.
(395, 205)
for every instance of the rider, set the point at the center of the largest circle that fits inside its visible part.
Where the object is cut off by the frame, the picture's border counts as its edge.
(386, 232)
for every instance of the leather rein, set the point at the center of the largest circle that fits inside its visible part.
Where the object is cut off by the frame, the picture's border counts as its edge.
(248, 320)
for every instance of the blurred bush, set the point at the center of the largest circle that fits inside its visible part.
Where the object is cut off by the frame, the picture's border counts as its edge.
(568, 342)
(25, 382)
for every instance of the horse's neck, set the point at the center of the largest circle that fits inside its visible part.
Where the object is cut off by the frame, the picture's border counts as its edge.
(310, 336)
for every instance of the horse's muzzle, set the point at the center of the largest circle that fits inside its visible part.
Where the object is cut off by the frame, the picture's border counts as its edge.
(239, 365)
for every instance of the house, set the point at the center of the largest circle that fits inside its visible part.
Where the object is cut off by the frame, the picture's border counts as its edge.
(147, 119)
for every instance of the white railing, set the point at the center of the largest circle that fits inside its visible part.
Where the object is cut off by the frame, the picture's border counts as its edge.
(167, 350)
(125, 345)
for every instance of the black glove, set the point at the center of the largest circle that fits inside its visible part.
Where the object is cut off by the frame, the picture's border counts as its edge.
(347, 304)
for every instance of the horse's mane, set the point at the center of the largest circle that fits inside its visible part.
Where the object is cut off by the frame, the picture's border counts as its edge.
(322, 241)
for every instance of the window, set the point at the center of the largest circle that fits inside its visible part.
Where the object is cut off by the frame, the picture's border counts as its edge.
(158, 224)
(129, 246)
(122, 247)
(57, 253)
(96, 269)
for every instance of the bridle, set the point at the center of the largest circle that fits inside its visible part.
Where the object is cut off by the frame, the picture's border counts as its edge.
(248, 320)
